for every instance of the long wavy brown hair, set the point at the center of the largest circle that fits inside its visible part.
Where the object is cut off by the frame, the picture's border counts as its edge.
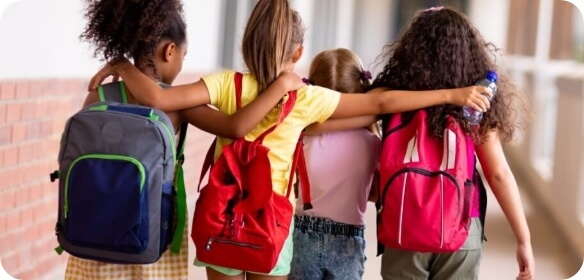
(440, 50)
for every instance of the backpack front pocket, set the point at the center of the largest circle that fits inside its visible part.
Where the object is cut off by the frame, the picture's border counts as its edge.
(422, 209)
(106, 203)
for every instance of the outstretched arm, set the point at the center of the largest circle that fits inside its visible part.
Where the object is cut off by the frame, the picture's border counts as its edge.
(396, 101)
(148, 92)
(244, 120)
(504, 187)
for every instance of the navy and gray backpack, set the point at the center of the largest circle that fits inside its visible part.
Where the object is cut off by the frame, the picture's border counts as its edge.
(121, 191)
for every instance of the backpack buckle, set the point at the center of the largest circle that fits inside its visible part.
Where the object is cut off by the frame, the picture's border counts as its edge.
(54, 176)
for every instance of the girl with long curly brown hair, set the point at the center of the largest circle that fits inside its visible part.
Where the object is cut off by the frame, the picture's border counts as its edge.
(442, 49)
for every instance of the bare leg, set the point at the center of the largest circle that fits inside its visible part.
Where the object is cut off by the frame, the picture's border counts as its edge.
(213, 274)
(251, 276)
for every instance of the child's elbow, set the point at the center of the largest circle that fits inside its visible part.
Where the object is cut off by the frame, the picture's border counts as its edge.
(500, 177)
(237, 131)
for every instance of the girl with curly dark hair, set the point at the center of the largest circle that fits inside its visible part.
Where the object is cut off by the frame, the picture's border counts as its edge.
(153, 33)
(441, 49)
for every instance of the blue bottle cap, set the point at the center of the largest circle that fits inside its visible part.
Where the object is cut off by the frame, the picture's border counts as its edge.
(492, 75)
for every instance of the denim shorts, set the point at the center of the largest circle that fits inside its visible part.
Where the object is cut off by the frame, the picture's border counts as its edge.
(325, 249)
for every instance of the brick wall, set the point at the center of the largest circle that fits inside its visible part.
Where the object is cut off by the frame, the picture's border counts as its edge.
(32, 117)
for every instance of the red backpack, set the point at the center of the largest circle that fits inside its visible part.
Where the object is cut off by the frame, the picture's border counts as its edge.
(239, 221)
(426, 185)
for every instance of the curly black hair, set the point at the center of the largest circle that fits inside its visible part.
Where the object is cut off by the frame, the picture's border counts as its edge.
(440, 50)
(133, 28)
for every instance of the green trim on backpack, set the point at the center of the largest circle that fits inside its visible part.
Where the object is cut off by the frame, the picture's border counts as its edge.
(59, 250)
(98, 108)
(181, 204)
(101, 94)
(181, 194)
(123, 92)
(132, 160)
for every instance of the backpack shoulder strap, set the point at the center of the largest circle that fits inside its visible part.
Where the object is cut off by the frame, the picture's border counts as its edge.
(299, 168)
(237, 79)
(284, 112)
(115, 91)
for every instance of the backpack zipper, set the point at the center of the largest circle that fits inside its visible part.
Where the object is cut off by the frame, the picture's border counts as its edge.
(419, 171)
(228, 242)
(424, 172)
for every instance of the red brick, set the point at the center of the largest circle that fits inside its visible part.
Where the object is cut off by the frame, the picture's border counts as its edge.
(39, 213)
(7, 90)
(7, 199)
(11, 264)
(36, 192)
(25, 254)
(10, 155)
(13, 219)
(27, 218)
(46, 265)
(2, 112)
(45, 129)
(2, 223)
(5, 134)
(22, 89)
(29, 273)
(13, 112)
(28, 111)
(41, 109)
(30, 234)
(47, 228)
(38, 88)
(18, 132)
(22, 195)
(33, 130)
(26, 153)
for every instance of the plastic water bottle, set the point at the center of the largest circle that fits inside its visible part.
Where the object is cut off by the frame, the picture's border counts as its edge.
(474, 117)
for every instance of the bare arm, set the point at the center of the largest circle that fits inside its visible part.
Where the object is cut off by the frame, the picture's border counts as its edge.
(149, 93)
(92, 97)
(395, 101)
(340, 124)
(244, 120)
(504, 187)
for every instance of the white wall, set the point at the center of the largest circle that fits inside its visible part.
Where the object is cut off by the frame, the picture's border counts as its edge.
(40, 39)
(491, 19)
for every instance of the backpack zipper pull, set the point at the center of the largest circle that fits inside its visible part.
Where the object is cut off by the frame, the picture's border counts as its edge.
(208, 246)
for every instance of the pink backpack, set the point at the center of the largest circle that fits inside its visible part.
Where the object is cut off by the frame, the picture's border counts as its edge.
(426, 186)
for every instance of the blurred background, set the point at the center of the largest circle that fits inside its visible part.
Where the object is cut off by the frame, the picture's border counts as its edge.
(44, 70)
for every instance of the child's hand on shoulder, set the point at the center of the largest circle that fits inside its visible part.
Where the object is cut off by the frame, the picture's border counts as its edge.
(110, 69)
(476, 97)
(290, 81)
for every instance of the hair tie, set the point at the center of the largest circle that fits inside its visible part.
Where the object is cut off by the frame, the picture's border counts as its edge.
(307, 81)
(434, 9)
(366, 75)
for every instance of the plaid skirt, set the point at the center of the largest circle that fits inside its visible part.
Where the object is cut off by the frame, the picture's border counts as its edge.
(168, 267)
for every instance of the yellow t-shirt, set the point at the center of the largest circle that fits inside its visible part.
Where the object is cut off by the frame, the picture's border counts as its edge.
(313, 104)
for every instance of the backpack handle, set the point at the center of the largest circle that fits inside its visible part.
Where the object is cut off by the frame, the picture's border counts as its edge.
(113, 92)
